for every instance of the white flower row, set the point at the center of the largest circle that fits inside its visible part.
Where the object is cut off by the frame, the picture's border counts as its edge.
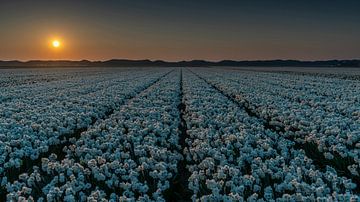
(131, 155)
(325, 111)
(29, 126)
(235, 158)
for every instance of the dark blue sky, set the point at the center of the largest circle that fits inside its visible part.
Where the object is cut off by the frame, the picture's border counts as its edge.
(181, 30)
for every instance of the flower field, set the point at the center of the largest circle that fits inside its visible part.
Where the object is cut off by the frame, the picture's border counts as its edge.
(178, 134)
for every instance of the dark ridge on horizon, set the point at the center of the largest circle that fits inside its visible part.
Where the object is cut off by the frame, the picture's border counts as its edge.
(192, 63)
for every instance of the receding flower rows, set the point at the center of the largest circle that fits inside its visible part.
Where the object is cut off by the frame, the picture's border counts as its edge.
(131, 155)
(31, 127)
(233, 156)
(75, 84)
(28, 76)
(215, 134)
(332, 95)
(331, 120)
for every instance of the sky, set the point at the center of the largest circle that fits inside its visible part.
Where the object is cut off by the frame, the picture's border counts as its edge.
(176, 30)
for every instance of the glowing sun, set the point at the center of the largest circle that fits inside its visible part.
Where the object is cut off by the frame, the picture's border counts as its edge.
(56, 44)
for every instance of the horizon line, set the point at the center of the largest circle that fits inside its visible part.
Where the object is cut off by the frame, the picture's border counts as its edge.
(175, 61)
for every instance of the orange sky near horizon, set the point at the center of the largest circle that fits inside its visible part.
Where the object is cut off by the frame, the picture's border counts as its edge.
(179, 30)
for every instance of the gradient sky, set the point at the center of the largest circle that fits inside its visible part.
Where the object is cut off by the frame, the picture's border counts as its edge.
(180, 30)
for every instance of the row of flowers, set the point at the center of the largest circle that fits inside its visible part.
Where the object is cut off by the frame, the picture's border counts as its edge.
(233, 157)
(29, 76)
(131, 155)
(31, 125)
(134, 153)
(324, 111)
(69, 81)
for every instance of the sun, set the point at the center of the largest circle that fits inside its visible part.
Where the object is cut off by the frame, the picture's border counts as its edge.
(56, 43)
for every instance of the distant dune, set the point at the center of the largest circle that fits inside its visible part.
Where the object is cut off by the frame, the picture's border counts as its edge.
(192, 63)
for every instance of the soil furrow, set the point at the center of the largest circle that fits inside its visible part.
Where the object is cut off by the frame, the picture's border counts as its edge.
(179, 190)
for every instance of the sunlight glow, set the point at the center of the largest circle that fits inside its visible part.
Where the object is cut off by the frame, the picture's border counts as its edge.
(56, 43)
